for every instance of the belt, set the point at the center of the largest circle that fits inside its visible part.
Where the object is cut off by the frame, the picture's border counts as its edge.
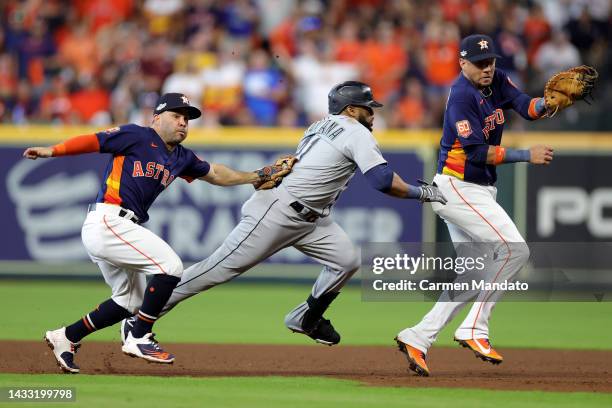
(115, 210)
(307, 213)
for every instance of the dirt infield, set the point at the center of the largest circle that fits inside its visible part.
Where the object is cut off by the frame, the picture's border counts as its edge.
(547, 370)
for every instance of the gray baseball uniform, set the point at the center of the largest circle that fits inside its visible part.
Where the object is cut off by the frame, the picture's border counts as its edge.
(296, 214)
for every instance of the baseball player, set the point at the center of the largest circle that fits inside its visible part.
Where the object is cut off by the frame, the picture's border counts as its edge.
(470, 150)
(145, 161)
(296, 213)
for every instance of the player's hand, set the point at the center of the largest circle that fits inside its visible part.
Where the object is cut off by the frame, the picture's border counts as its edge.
(431, 193)
(541, 154)
(36, 152)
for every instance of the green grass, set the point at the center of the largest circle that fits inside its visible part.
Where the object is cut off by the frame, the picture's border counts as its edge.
(253, 313)
(270, 392)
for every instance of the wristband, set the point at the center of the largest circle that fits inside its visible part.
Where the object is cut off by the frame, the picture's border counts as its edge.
(414, 192)
(514, 156)
(540, 106)
(537, 107)
(500, 154)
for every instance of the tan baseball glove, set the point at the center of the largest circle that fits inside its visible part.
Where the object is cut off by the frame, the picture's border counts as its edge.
(272, 176)
(566, 87)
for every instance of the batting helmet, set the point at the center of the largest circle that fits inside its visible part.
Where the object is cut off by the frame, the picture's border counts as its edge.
(350, 93)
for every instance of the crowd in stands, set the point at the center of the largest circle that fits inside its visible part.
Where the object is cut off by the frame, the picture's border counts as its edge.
(272, 62)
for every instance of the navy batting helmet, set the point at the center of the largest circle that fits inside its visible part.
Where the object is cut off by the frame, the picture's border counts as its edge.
(350, 93)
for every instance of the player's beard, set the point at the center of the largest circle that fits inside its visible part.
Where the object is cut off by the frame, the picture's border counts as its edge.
(363, 119)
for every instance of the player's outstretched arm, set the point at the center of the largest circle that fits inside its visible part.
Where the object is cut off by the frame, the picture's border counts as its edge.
(538, 154)
(262, 179)
(36, 152)
(221, 175)
(382, 178)
(74, 145)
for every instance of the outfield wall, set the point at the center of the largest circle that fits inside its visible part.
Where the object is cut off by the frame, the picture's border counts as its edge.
(44, 201)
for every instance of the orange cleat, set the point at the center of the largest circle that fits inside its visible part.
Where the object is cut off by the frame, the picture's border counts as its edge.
(416, 358)
(483, 349)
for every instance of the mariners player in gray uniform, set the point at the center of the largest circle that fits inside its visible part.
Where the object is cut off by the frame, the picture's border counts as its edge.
(296, 213)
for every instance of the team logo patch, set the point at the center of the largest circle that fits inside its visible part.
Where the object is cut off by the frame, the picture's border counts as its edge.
(185, 100)
(463, 128)
(112, 130)
(483, 44)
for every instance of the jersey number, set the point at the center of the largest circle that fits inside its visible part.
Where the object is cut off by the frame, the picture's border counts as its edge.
(496, 117)
(305, 145)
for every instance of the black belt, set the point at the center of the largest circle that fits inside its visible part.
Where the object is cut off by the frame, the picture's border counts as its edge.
(308, 214)
(123, 213)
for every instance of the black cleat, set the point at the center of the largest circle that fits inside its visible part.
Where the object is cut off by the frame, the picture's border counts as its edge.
(322, 332)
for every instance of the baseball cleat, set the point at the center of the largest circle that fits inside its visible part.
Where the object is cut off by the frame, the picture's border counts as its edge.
(147, 348)
(63, 350)
(483, 350)
(416, 358)
(126, 326)
(322, 332)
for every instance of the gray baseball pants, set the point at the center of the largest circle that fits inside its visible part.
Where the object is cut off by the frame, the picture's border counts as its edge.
(269, 224)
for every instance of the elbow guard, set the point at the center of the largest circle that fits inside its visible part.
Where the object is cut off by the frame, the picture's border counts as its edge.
(380, 177)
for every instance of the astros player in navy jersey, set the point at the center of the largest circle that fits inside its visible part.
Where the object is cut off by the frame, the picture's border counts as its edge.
(145, 161)
(470, 151)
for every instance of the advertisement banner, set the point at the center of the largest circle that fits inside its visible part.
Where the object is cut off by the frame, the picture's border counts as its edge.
(44, 204)
(570, 200)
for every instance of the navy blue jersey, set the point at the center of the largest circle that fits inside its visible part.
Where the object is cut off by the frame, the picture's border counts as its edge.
(142, 167)
(472, 119)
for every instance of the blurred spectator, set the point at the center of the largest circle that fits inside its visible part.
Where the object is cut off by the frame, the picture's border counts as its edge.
(347, 47)
(23, 105)
(8, 76)
(91, 104)
(315, 73)
(556, 12)
(103, 12)
(273, 13)
(583, 32)
(556, 55)
(36, 52)
(263, 89)
(55, 105)
(79, 50)
(411, 111)
(222, 88)
(288, 117)
(510, 46)
(160, 14)
(187, 81)
(440, 63)
(384, 61)
(198, 52)
(536, 31)
(156, 63)
(305, 21)
(239, 18)
(441, 49)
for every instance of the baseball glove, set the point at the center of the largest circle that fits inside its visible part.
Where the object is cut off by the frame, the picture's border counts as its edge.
(272, 176)
(566, 87)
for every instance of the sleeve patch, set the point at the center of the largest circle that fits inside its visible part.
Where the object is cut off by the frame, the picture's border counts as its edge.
(463, 128)
(112, 130)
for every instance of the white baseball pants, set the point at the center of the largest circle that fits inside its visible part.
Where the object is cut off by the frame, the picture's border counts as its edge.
(126, 252)
(472, 215)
